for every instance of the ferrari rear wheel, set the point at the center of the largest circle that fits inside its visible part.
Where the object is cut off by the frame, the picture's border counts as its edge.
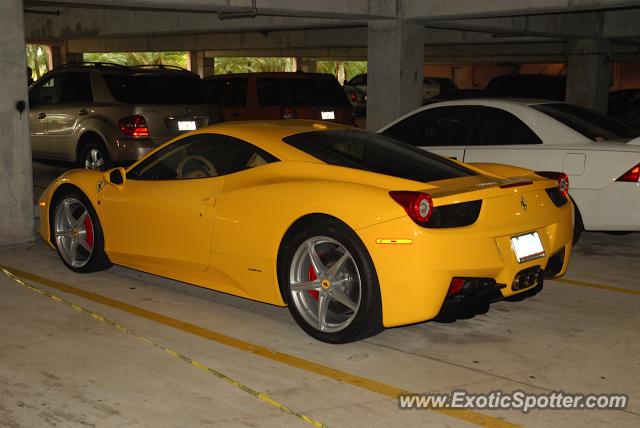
(77, 233)
(333, 292)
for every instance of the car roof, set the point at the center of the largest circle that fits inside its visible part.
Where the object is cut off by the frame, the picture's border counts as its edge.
(283, 74)
(494, 102)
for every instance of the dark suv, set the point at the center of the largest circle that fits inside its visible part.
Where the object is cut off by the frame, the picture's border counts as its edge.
(98, 114)
(280, 95)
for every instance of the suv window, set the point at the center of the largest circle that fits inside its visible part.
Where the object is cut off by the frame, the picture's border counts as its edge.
(273, 91)
(443, 126)
(228, 92)
(76, 88)
(45, 92)
(360, 79)
(376, 153)
(200, 156)
(499, 127)
(156, 88)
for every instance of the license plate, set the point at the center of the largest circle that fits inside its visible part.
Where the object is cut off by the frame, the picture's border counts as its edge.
(186, 125)
(327, 115)
(527, 247)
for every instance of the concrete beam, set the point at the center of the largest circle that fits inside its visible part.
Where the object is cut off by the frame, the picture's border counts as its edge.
(561, 26)
(102, 22)
(352, 9)
(435, 10)
(16, 180)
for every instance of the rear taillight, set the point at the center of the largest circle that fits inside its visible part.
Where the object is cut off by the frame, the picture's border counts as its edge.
(418, 205)
(289, 113)
(455, 287)
(560, 177)
(631, 176)
(354, 97)
(134, 126)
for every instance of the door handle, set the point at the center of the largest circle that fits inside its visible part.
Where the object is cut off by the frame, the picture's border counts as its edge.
(83, 112)
(42, 115)
(209, 201)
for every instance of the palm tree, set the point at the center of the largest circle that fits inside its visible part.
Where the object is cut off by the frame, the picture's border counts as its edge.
(37, 59)
(139, 58)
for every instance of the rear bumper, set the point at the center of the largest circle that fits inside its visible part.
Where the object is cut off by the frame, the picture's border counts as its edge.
(414, 278)
(130, 150)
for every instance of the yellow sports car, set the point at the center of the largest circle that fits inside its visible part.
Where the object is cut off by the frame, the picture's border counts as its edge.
(352, 230)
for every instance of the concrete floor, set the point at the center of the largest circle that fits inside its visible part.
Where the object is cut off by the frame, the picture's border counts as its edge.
(60, 367)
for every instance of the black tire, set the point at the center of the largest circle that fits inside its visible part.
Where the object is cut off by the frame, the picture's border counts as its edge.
(578, 226)
(97, 260)
(94, 155)
(367, 318)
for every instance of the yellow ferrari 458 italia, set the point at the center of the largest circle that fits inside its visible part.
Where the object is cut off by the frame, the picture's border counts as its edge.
(351, 230)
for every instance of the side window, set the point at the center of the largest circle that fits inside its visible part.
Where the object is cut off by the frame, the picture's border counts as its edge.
(76, 88)
(44, 93)
(443, 126)
(200, 156)
(499, 127)
(228, 92)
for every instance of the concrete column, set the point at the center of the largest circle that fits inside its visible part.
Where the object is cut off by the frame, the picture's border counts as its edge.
(307, 65)
(395, 55)
(589, 73)
(59, 55)
(16, 179)
(208, 66)
(201, 64)
(196, 62)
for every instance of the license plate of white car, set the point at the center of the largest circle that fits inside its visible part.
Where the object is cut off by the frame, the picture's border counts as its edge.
(527, 247)
(186, 125)
(328, 115)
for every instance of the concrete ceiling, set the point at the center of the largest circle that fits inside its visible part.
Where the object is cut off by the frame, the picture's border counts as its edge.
(329, 28)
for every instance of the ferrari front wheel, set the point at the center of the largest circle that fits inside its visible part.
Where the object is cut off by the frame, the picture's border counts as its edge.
(77, 233)
(332, 286)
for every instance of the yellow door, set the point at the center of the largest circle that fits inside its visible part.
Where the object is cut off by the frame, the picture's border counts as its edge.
(161, 223)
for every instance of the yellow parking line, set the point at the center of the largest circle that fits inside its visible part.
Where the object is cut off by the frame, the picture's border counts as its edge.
(290, 360)
(259, 395)
(594, 285)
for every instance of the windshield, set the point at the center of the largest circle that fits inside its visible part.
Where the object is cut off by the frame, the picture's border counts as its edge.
(156, 89)
(376, 153)
(274, 91)
(590, 123)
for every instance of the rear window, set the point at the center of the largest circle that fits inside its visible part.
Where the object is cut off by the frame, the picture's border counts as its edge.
(376, 153)
(227, 92)
(273, 91)
(590, 123)
(156, 89)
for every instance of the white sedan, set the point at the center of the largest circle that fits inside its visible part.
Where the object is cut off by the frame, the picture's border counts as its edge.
(600, 155)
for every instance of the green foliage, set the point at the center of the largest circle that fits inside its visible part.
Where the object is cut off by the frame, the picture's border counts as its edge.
(226, 65)
(139, 58)
(37, 59)
(343, 70)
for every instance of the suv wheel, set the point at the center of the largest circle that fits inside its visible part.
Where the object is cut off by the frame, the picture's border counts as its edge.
(94, 156)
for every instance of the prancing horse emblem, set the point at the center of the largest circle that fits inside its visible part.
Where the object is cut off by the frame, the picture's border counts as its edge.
(523, 203)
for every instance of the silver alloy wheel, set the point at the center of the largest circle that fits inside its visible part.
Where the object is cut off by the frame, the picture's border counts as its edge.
(74, 232)
(325, 284)
(94, 159)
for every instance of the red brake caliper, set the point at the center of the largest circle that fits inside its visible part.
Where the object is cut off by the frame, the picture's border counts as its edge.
(88, 226)
(313, 277)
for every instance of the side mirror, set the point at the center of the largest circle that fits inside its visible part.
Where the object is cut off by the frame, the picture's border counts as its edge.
(116, 176)
(345, 82)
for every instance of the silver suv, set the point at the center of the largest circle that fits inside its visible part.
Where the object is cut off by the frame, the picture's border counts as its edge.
(100, 114)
